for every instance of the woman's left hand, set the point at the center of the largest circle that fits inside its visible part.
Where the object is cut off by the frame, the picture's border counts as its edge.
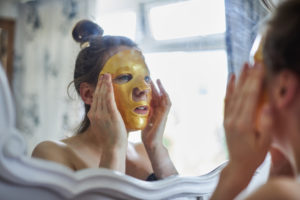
(152, 135)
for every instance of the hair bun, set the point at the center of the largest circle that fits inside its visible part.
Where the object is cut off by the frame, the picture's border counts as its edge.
(85, 29)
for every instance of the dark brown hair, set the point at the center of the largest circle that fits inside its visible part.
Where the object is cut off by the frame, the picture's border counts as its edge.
(91, 58)
(282, 43)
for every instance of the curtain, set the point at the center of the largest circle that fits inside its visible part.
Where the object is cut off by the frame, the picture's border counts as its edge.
(45, 55)
(243, 20)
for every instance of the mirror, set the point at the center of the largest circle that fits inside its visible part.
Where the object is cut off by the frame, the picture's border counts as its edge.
(44, 61)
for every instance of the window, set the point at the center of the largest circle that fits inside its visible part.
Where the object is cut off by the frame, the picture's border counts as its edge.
(184, 46)
(186, 19)
(196, 84)
(120, 23)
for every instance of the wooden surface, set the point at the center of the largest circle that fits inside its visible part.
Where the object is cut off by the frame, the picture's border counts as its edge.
(8, 25)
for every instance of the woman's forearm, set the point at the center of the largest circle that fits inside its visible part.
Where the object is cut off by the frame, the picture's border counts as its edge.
(231, 182)
(161, 162)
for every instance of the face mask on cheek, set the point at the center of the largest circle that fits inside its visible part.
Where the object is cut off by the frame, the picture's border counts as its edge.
(256, 56)
(129, 74)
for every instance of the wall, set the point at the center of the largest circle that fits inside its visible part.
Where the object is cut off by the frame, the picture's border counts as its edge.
(44, 61)
(9, 9)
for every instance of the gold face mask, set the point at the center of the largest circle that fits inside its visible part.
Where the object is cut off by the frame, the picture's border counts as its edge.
(131, 82)
(256, 54)
(257, 57)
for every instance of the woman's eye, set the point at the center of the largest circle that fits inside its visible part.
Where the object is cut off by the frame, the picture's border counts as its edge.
(124, 78)
(147, 79)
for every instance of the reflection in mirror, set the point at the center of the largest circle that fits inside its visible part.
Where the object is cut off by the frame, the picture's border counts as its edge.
(191, 62)
(183, 43)
(196, 56)
(189, 58)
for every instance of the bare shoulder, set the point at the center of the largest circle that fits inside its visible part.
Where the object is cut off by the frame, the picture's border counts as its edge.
(278, 188)
(53, 150)
(48, 148)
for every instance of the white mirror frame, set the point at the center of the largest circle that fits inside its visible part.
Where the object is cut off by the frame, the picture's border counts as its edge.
(22, 177)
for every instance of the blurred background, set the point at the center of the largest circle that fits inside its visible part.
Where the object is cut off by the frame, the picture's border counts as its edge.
(191, 45)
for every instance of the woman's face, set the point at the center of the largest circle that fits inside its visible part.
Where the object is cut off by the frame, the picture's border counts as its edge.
(131, 82)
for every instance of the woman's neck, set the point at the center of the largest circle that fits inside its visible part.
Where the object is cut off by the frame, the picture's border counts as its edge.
(293, 134)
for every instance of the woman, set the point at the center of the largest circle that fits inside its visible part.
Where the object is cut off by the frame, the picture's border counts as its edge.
(114, 83)
(269, 92)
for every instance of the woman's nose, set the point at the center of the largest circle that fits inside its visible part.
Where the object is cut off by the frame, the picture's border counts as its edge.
(140, 94)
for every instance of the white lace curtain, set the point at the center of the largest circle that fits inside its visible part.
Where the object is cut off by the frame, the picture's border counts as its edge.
(243, 21)
(44, 62)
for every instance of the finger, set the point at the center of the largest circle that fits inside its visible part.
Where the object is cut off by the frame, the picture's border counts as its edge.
(251, 92)
(246, 100)
(102, 96)
(161, 87)
(243, 76)
(96, 94)
(155, 93)
(163, 91)
(229, 94)
(236, 103)
(112, 106)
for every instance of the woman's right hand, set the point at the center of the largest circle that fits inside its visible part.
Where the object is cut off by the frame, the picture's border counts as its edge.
(247, 147)
(106, 121)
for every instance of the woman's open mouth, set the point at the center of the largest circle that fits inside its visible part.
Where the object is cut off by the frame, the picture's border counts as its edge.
(141, 110)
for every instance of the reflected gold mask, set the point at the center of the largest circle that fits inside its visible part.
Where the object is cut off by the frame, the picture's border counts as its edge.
(121, 66)
(257, 57)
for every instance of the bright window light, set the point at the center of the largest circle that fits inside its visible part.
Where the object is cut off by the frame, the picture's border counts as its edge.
(187, 19)
(119, 23)
(196, 83)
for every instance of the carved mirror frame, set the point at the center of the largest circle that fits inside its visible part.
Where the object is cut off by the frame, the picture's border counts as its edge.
(23, 177)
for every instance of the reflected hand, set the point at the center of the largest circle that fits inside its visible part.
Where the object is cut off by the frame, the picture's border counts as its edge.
(106, 120)
(152, 135)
